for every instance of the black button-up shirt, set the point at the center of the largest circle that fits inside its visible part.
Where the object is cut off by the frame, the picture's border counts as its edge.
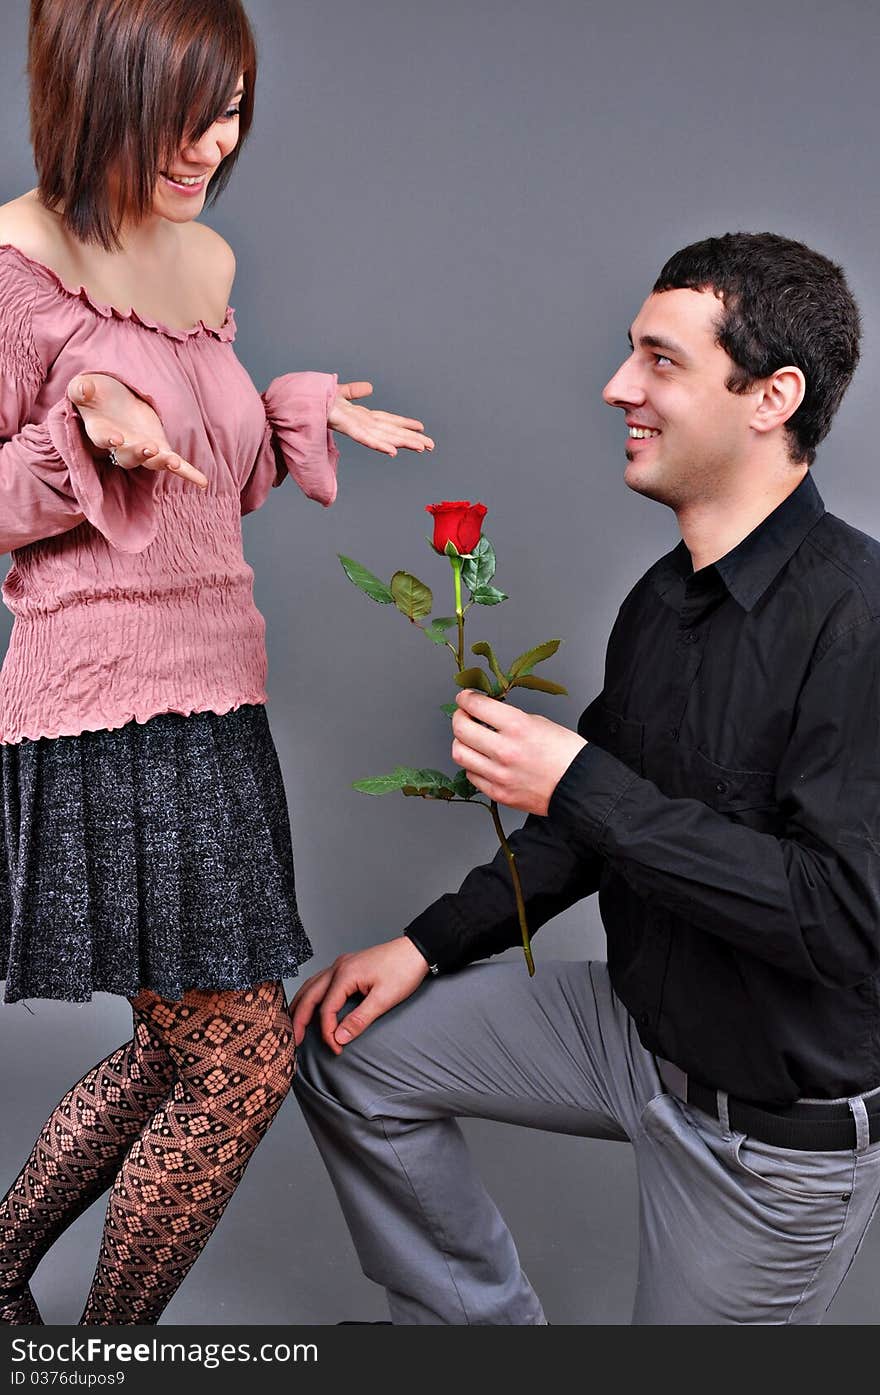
(727, 810)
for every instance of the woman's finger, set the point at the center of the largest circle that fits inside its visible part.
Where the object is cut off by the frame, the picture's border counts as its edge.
(82, 390)
(399, 423)
(351, 390)
(155, 457)
(388, 433)
(175, 464)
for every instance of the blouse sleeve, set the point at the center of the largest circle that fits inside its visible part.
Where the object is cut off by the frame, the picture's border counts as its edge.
(49, 480)
(297, 440)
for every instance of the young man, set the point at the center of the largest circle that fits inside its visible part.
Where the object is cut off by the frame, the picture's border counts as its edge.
(722, 795)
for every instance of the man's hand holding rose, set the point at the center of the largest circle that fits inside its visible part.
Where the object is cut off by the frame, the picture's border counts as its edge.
(514, 757)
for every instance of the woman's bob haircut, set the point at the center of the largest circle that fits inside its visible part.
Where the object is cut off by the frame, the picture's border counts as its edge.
(123, 86)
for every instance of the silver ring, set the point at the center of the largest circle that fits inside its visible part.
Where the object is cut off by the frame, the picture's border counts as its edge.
(112, 456)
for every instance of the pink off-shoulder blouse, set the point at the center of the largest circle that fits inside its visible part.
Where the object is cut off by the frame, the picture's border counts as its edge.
(130, 590)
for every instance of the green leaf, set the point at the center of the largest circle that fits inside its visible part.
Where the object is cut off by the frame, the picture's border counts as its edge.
(450, 708)
(463, 787)
(430, 784)
(374, 588)
(541, 685)
(526, 662)
(485, 650)
(488, 595)
(409, 773)
(431, 792)
(436, 631)
(435, 779)
(450, 549)
(474, 678)
(479, 568)
(385, 784)
(411, 596)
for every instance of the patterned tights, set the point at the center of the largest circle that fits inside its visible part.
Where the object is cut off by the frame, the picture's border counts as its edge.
(174, 1117)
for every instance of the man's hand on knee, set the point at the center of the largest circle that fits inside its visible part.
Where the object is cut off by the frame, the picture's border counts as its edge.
(385, 974)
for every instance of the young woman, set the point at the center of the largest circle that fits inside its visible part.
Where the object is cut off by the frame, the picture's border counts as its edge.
(145, 845)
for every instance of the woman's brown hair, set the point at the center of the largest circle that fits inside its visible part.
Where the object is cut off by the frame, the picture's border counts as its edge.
(125, 85)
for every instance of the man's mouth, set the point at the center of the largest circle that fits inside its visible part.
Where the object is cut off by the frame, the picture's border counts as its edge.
(641, 433)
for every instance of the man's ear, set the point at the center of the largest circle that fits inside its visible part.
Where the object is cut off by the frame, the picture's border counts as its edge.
(779, 398)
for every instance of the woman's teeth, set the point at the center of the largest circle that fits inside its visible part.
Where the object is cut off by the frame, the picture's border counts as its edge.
(186, 180)
(641, 433)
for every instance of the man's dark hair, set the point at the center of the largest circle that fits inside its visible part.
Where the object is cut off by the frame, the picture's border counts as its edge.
(783, 304)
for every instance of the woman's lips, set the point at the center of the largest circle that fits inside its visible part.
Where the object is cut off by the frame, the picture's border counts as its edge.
(178, 188)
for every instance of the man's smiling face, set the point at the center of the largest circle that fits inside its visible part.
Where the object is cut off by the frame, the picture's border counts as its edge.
(687, 433)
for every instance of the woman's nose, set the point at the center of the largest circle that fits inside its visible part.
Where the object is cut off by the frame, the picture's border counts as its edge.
(207, 150)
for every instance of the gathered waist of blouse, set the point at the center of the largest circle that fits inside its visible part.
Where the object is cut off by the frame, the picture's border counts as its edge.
(198, 545)
(102, 637)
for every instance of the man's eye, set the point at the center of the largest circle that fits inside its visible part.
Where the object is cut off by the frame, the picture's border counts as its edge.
(661, 358)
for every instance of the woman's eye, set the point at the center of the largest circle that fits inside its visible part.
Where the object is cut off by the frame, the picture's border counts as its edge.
(231, 112)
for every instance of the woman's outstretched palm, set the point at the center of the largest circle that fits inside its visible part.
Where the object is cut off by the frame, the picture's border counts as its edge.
(382, 431)
(116, 419)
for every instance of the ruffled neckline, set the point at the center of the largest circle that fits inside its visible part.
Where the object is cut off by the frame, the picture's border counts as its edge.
(225, 332)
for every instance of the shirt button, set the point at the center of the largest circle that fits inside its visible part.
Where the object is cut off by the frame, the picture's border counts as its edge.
(692, 637)
(613, 727)
(644, 1019)
(721, 787)
(673, 732)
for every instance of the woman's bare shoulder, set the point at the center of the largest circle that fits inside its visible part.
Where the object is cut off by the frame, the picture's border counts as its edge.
(212, 258)
(33, 229)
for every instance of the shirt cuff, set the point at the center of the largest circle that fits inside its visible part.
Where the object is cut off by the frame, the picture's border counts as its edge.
(439, 936)
(586, 796)
(297, 407)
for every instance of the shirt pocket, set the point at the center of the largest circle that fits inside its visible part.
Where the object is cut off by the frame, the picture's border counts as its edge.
(746, 796)
(618, 735)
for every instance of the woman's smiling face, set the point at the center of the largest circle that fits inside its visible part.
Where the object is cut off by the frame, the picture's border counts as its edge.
(182, 187)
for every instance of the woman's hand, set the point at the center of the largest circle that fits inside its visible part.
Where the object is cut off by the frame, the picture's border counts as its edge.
(381, 431)
(116, 419)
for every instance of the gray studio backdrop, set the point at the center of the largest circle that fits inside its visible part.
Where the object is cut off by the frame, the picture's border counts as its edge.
(466, 203)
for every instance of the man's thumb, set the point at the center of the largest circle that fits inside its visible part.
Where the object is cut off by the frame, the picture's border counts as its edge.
(358, 1019)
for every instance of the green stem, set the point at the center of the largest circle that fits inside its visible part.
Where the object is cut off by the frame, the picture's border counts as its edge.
(517, 888)
(459, 613)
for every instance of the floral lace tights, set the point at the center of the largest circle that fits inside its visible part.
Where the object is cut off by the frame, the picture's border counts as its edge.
(171, 1119)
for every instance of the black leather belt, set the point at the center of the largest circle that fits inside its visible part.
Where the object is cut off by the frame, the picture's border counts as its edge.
(823, 1125)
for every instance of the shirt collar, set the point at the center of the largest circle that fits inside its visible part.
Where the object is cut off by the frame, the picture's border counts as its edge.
(748, 569)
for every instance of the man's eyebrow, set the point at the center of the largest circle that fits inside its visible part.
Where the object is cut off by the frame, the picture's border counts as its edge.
(665, 346)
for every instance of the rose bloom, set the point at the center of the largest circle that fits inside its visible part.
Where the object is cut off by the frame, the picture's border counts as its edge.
(459, 522)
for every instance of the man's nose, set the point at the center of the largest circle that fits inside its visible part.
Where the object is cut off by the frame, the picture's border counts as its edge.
(624, 390)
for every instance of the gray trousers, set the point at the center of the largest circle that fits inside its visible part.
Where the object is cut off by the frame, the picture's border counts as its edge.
(732, 1230)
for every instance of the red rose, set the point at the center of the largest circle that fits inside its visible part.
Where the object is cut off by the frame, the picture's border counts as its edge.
(460, 523)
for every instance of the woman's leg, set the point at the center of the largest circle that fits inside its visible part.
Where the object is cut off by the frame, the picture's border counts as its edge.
(234, 1055)
(76, 1157)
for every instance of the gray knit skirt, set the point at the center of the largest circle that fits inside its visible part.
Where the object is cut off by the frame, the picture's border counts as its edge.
(154, 856)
